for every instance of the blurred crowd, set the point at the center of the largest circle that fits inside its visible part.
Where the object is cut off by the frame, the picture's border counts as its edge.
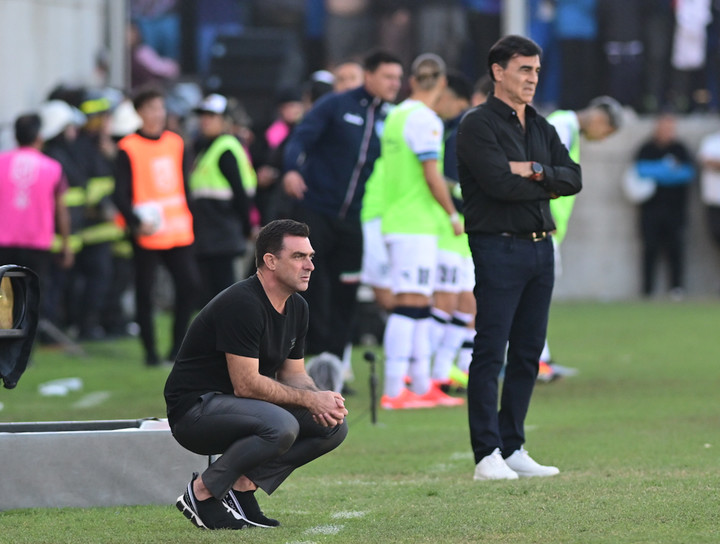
(652, 55)
(649, 54)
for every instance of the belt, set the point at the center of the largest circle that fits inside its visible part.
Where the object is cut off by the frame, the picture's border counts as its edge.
(532, 236)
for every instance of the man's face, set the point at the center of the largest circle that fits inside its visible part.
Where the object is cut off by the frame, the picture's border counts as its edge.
(211, 124)
(348, 76)
(153, 115)
(450, 105)
(384, 82)
(516, 84)
(599, 126)
(294, 263)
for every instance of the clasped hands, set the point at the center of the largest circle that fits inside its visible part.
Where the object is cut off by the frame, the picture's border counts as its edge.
(329, 409)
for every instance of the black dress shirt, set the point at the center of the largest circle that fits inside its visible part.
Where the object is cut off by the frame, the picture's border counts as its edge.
(494, 199)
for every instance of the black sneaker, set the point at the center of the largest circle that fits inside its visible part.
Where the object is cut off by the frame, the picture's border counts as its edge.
(208, 514)
(245, 507)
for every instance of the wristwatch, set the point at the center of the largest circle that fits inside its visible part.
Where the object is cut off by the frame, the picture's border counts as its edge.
(537, 169)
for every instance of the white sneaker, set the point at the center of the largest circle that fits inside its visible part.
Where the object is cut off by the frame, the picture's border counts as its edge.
(494, 467)
(521, 462)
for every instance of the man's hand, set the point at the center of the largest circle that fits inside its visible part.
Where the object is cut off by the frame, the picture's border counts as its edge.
(67, 257)
(294, 184)
(457, 226)
(522, 168)
(146, 229)
(328, 408)
(267, 175)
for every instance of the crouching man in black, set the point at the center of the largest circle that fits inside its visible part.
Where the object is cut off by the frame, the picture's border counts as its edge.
(239, 387)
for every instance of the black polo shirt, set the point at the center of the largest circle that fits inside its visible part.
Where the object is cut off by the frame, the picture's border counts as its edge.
(494, 199)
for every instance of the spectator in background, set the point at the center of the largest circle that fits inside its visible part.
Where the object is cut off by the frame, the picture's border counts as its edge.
(146, 65)
(658, 24)
(159, 22)
(116, 317)
(441, 29)
(541, 27)
(221, 185)
(348, 29)
(93, 270)
(709, 159)
(689, 51)
(150, 193)
(315, 35)
(328, 159)
(577, 31)
(59, 131)
(33, 185)
(599, 120)
(483, 29)
(663, 217)
(214, 19)
(395, 27)
(348, 75)
(481, 90)
(268, 156)
(621, 25)
(319, 84)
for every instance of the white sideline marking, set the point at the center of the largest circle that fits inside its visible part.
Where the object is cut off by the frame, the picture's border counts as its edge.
(348, 515)
(92, 399)
(461, 455)
(325, 530)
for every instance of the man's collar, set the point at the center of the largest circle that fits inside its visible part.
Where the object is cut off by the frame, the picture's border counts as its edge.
(505, 111)
(363, 94)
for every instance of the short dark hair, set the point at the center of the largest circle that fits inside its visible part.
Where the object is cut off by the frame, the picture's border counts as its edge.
(374, 59)
(271, 236)
(484, 85)
(146, 95)
(511, 46)
(460, 85)
(27, 128)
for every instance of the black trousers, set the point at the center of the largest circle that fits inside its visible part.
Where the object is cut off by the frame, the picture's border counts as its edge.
(662, 227)
(257, 439)
(180, 263)
(332, 294)
(90, 283)
(514, 282)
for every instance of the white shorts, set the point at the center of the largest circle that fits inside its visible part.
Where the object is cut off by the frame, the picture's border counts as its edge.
(376, 261)
(467, 275)
(413, 262)
(447, 279)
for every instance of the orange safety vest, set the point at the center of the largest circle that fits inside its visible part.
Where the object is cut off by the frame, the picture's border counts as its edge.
(157, 178)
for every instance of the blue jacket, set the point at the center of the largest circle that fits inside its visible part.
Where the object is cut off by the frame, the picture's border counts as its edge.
(334, 148)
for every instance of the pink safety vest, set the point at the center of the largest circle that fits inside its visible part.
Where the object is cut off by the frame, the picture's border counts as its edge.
(29, 183)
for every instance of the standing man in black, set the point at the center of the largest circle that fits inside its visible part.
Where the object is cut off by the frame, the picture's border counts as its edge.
(511, 163)
(328, 159)
(239, 387)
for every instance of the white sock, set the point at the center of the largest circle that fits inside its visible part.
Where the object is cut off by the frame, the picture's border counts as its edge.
(447, 351)
(348, 374)
(398, 344)
(438, 321)
(420, 367)
(545, 355)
